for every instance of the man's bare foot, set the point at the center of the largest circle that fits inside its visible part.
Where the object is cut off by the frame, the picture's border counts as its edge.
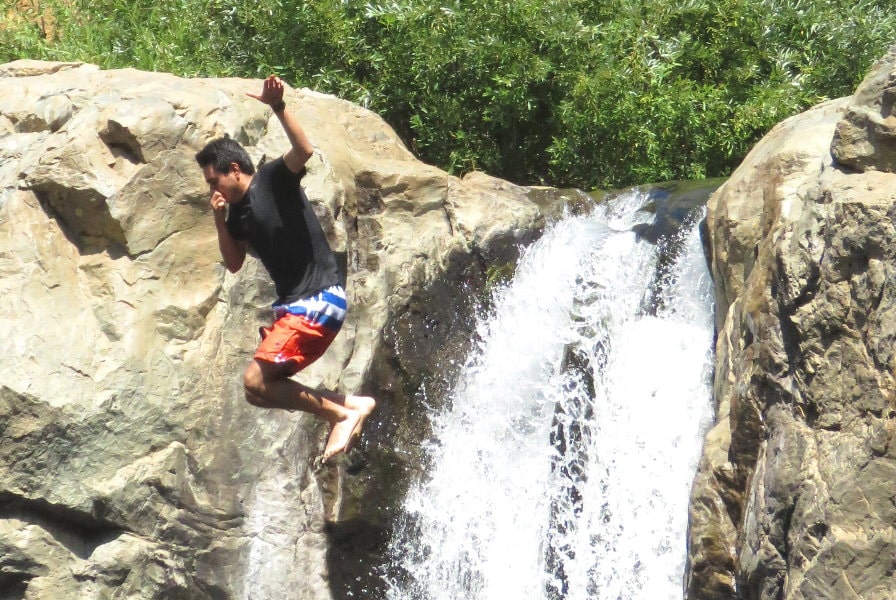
(341, 434)
(364, 405)
(344, 434)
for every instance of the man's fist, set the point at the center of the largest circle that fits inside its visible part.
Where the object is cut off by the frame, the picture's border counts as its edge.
(219, 204)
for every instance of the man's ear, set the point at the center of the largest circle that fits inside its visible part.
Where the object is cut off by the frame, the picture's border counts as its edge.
(235, 168)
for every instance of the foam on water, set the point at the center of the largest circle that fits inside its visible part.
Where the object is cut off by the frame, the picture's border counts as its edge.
(550, 478)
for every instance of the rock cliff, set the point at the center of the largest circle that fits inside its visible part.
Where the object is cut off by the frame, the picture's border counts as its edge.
(796, 494)
(130, 466)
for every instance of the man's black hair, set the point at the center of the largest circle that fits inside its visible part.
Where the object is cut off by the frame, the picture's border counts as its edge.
(220, 153)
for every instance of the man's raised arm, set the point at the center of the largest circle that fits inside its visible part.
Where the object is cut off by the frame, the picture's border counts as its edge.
(300, 147)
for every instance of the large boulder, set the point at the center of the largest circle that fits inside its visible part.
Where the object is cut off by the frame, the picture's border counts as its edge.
(130, 465)
(794, 499)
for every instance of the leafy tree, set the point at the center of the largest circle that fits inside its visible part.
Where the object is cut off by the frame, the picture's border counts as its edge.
(577, 93)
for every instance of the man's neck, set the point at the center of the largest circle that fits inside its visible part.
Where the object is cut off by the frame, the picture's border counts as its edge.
(244, 188)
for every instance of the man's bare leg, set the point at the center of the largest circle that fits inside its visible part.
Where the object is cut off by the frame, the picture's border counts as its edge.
(269, 385)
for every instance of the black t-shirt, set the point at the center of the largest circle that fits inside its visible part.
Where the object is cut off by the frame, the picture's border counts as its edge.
(277, 220)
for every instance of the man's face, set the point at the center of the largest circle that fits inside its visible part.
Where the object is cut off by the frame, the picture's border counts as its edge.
(230, 185)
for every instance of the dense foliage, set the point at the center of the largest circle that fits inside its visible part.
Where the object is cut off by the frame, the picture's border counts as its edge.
(584, 93)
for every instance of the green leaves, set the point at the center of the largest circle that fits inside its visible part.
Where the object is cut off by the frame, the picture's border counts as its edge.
(681, 90)
(565, 92)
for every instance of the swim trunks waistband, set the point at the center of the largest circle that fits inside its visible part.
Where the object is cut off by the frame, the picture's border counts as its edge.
(325, 308)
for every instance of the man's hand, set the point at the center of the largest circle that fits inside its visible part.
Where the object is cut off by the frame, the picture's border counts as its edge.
(301, 149)
(232, 251)
(271, 91)
(219, 205)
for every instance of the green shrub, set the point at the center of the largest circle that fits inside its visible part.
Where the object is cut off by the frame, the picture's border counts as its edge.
(170, 35)
(566, 92)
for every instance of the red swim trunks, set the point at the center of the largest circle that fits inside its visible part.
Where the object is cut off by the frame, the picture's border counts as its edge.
(303, 330)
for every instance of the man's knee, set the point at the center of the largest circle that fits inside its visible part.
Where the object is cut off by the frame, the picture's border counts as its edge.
(256, 378)
(253, 382)
(253, 386)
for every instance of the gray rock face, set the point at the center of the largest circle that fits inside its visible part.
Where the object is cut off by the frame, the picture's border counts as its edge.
(794, 499)
(130, 466)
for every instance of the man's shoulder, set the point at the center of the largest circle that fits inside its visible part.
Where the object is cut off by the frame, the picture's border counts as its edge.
(267, 167)
(277, 166)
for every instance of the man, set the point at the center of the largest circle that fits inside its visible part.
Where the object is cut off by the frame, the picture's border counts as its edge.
(269, 211)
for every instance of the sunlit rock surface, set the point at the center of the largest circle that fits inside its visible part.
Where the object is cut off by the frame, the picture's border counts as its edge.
(864, 139)
(795, 494)
(130, 466)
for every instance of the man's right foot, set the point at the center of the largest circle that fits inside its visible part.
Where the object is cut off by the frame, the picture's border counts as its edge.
(364, 405)
(341, 434)
(345, 433)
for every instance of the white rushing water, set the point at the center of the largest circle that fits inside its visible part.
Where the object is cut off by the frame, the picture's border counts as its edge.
(545, 482)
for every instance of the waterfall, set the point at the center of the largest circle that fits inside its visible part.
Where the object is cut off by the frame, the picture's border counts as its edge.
(560, 466)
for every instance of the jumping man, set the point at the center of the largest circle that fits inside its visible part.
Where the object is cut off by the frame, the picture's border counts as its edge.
(269, 211)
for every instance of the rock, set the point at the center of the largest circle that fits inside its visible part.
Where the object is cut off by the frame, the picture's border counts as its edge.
(865, 138)
(33, 68)
(131, 465)
(793, 498)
